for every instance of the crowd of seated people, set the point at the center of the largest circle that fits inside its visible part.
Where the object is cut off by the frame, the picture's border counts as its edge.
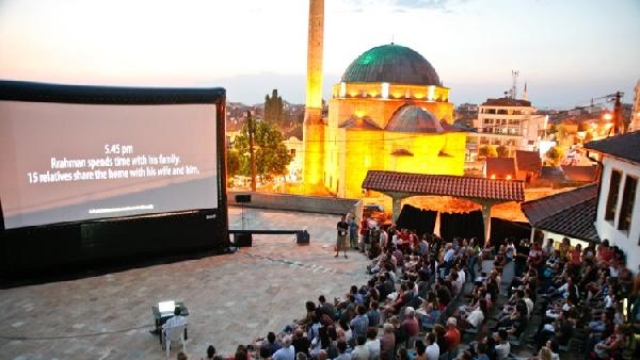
(402, 311)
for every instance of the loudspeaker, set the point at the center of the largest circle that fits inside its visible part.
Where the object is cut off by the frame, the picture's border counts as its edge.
(243, 198)
(243, 240)
(302, 238)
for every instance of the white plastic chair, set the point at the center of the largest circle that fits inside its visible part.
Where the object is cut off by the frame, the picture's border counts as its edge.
(173, 334)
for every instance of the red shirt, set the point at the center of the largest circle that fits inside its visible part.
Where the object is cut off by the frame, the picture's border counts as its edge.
(575, 256)
(452, 336)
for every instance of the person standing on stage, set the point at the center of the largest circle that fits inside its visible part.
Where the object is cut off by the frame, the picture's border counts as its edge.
(343, 231)
(353, 231)
(364, 233)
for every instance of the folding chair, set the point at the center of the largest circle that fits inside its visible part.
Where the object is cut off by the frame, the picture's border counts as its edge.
(173, 334)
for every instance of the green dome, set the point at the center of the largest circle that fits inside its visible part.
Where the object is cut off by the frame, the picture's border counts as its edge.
(392, 64)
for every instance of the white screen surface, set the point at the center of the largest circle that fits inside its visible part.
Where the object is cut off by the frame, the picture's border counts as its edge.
(64, 162)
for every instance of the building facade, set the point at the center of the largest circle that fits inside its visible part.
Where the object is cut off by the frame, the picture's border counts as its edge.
(388, 112)
(505, 122)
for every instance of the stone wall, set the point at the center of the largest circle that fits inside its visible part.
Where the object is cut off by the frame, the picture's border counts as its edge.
(312, 204)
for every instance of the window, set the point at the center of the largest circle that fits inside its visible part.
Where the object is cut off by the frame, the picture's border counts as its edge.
(292, 152)
(628, 199)
(612, 199)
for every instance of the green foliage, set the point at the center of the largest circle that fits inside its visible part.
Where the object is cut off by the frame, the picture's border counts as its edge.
(274, 109)
(502, 151)
(233, 163)
(487, 151)
(560, 132)
(555, 155)
(272, 156)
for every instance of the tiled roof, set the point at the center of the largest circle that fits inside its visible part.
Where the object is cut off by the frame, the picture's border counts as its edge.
(625, 146)
(580, 173)
(500, 167)
(552, 173)
(528, 161)
(444, 185)
(571, 213)
(356, 123)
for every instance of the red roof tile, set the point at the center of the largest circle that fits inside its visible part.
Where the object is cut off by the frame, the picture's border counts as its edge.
(580, 173)
(528, 161)
(444, 185)
(500, 167)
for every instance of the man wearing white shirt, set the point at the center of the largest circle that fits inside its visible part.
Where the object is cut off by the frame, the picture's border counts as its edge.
(373, 344)
(286, 352)
(361, 351)
(433, 350)
(449, 256)
(503, 347)
(175, 320)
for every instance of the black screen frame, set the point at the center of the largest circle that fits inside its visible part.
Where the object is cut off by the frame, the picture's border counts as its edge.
(117, 239)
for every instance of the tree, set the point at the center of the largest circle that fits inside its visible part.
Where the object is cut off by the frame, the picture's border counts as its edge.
(274, 109)
(487, 151)
(502, 151)
(233, 163)
(560, 133)
(272, 157)
(555, 155)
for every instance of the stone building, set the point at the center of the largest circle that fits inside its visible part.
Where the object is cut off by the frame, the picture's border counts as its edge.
(388, 112)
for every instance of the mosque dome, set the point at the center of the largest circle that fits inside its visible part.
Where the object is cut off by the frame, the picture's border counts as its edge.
(392, 64)
(414, 119)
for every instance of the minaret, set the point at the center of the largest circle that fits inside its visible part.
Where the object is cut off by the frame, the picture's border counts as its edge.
(313, 129)
(525, 95)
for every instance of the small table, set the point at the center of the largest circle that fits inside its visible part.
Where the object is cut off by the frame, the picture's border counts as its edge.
(161, 318)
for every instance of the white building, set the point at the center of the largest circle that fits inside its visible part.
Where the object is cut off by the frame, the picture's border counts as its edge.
(508, 122)
(607, 210)
(618, 207)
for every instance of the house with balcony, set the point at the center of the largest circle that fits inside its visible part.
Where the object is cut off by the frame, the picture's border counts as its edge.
(505, 122)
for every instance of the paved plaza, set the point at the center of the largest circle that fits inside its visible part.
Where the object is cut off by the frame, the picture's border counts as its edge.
(232, 298)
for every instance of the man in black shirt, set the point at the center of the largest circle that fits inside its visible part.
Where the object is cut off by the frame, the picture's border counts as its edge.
(343, 232)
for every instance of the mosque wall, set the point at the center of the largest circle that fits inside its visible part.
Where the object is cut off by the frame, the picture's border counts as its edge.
(362, 151)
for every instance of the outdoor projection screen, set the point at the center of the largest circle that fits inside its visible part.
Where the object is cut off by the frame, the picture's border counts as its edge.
(68, 162)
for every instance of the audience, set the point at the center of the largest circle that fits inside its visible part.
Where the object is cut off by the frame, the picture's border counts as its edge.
(580, 286)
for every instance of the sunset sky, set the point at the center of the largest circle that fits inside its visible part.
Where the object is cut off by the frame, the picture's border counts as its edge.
(567, 51)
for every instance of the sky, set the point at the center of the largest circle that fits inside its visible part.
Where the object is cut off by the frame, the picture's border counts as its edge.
(567, 51)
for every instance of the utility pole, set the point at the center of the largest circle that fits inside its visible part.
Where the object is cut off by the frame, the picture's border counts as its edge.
(617, 113)
(252, 156)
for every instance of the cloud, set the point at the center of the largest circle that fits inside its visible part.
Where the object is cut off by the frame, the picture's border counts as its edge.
(444, 5)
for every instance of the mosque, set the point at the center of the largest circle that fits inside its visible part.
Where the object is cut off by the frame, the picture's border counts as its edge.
(389, 112)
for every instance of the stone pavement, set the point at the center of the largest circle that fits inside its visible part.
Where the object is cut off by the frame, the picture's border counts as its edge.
(232, 298)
